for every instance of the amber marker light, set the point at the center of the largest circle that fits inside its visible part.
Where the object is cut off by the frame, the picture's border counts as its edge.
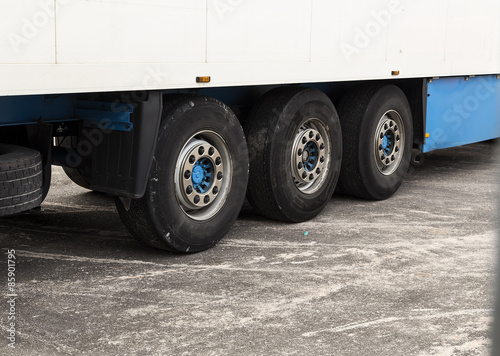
(203, 79)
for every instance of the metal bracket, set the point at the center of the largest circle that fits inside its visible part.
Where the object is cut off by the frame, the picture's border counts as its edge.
(105, 115)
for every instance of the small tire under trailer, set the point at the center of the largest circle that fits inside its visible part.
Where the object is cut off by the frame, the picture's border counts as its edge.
(21, 179)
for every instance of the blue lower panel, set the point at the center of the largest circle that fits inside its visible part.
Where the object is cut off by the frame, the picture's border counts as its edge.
(460, 112)
(31, 109)
(16, 110)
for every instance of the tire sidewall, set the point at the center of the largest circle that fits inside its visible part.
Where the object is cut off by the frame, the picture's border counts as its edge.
(171, 223)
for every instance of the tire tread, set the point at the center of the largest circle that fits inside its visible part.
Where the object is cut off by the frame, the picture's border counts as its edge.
(21, 179)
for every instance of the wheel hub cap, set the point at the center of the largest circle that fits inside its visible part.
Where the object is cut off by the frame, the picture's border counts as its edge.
(201, 176)
(389, 142)
(309, 157)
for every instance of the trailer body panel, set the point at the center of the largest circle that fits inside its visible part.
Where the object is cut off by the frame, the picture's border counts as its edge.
(75, 46)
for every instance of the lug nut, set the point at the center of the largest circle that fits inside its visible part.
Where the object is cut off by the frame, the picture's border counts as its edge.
(387, 161)
(318, 137)
(383, 157)
(393, 158)
(207, 199)
(201, 151)
(322, 159)
(396, 128)
(322, 147)
(381, 136)
(386, 127)
(304, 140)
(380, 148)
(189, 190)
(311, 134)
(218, 161)
(192, 159)
(215, 191)
(398, 138)
(311, 177)
(187, 174)
(392, 124)
(396, 149)
(219, 175)
(197, 199)
(300, 152)
(301, 165)
(211, 151)
(304, 175)
(318, 171)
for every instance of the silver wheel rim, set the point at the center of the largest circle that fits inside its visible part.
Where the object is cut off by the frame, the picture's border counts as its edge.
(203, 175)
(311, 156)
(389, 142)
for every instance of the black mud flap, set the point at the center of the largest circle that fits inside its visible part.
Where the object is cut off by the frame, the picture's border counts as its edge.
(122, 160)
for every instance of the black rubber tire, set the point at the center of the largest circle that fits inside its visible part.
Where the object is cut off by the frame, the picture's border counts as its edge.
(21, 179)
(157, 219)
(76, 175)
(360, 111)
(271, 130)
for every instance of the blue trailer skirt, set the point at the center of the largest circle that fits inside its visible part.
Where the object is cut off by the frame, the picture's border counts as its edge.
(461, 111)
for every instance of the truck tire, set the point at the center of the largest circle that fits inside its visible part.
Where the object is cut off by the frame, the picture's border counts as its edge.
(198, 180)
(21, 179)
(377, 133)
(295, 148)
(76, 175)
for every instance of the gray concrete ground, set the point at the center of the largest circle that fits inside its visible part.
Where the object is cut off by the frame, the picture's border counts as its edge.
(412, 275)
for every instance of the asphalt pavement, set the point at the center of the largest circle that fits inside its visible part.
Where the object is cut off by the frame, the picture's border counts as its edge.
(412, 275)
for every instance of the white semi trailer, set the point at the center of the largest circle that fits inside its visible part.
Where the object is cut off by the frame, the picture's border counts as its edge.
(181, 109)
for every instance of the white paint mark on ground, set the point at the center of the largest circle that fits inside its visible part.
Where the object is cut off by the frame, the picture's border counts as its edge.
(368, 324)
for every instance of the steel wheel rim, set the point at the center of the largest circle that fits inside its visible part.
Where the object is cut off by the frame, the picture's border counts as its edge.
(389, 142)
(311, 156)
(203, 175)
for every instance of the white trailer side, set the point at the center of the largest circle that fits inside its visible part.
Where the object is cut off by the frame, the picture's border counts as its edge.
(66, 46)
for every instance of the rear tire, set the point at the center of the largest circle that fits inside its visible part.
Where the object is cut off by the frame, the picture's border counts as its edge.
(377, 132)
(21, 179)
(76, 175)
(295, 147)
(198, 180)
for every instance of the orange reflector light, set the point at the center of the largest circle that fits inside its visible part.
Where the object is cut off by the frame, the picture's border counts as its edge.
(203, 79)
(427, 135)
(395, 72)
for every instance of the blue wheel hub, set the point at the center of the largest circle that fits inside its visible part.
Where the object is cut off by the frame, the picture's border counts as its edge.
(388, 143)
(200, 174)
(310, 156)
(203, 175)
